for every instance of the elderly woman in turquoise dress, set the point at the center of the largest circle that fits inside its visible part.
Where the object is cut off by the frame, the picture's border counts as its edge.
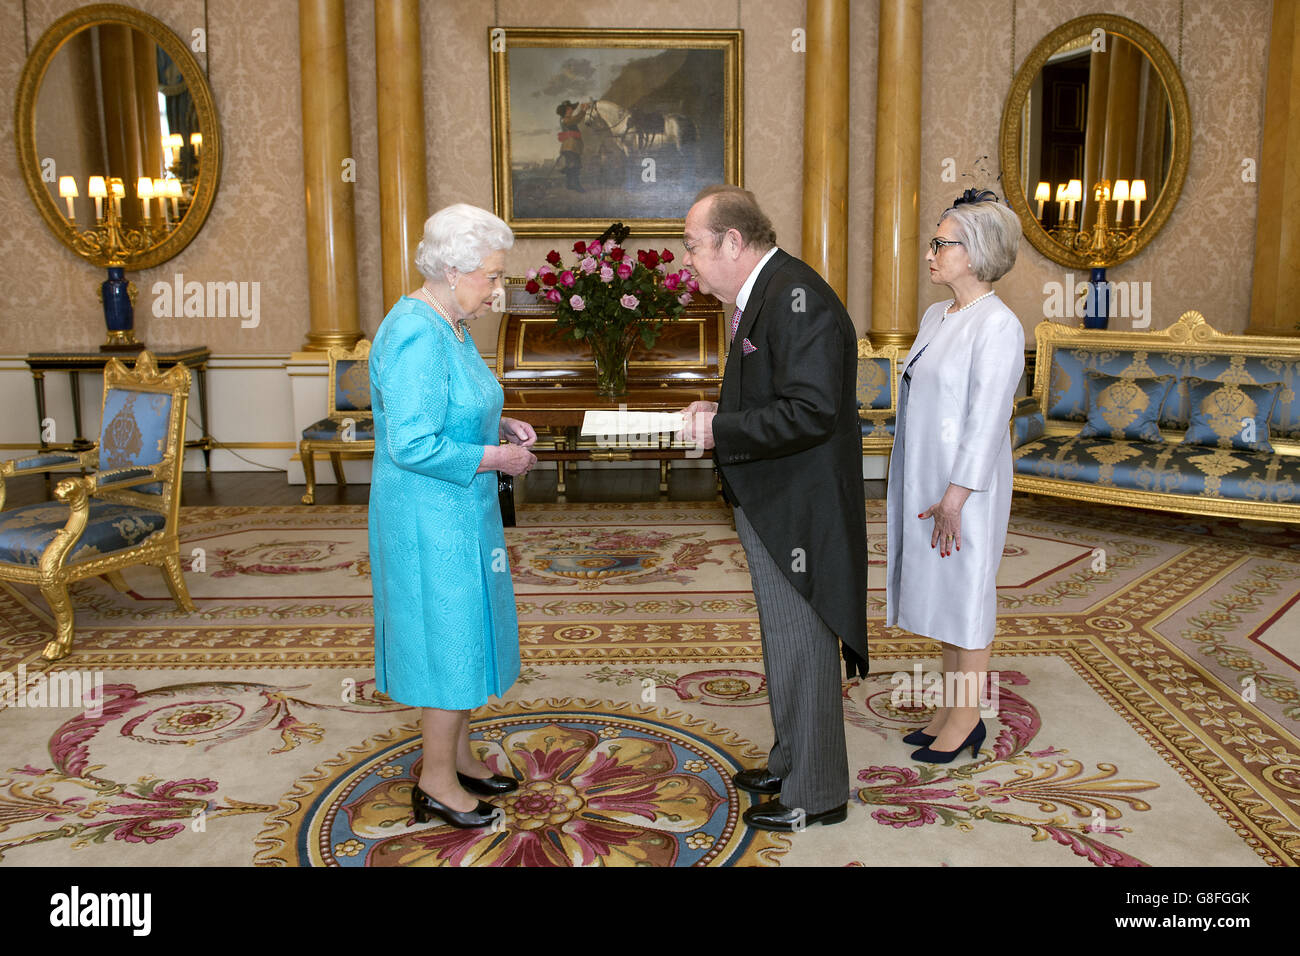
(446, 634)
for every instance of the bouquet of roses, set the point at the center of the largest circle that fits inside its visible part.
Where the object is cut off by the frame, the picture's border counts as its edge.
(608, 301)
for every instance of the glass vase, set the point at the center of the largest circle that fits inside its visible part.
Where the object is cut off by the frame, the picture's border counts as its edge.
(611, 369)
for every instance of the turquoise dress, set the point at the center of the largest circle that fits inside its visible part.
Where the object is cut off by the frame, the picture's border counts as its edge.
(446, 634)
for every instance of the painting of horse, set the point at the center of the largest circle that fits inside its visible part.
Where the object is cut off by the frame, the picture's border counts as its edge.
(590, 126)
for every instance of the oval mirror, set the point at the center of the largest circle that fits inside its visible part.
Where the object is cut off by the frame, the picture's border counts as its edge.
(1095, 139)
(117, 136)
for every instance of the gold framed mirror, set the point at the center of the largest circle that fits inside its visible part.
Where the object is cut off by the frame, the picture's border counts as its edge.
(1096, 135)
(117, 136)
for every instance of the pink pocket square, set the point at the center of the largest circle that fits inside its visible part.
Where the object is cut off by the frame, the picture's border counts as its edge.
(747, 347)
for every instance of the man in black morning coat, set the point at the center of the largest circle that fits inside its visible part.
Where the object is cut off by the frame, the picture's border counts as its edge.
(786, 439)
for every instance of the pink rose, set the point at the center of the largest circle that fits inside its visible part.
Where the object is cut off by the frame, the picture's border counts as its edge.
(532, 273)
(692, 285)
(671, 282)
(606, 274)
(553, 295)
(588, 265)
(684, 298)
(566, 278)
(576, 303)
(593, 248)
(629, 301)
(624, 270)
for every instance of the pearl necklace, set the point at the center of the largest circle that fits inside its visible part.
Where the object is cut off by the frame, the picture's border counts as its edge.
(457, 325)
(951, 311)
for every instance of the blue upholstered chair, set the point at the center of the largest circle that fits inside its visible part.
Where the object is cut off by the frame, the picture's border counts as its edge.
(350, 425)
(124, 512)
(877, 396)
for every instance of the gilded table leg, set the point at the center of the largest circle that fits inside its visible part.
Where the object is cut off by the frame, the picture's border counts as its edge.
(663, 476)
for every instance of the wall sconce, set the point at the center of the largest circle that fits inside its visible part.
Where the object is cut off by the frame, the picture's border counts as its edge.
(68, 192)
(1137, 192)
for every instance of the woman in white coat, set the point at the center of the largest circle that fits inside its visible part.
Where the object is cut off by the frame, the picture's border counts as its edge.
(949, 493)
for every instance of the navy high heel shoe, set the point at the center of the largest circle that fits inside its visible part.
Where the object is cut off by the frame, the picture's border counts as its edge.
(974, 741)
(919, 738)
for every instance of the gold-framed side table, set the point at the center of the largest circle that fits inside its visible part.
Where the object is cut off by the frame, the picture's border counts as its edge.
(195, 358)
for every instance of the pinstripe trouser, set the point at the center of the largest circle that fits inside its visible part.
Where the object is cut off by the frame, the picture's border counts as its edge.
(801, 657)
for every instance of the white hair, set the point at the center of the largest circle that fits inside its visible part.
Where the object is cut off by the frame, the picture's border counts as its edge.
(458, 237)
(990, 233)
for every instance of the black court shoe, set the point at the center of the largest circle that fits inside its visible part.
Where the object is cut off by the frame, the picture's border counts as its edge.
(493, 786)
(919, 738)
(974, 740)
(425, 807)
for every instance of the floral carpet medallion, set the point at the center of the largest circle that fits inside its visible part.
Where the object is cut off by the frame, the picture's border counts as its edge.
(599, 785)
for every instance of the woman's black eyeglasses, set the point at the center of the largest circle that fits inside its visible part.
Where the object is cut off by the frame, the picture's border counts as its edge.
(936, 244)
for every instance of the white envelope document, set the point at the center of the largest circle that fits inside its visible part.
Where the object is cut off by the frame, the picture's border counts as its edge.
(624, 422)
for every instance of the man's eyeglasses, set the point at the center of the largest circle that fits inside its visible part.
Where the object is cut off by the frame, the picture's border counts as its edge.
(692, 245)
(936, 244)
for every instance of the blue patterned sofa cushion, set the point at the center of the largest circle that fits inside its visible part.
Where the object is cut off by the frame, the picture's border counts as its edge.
(26, 532)
(1228, 415)
(352, 385)
(1166, 468)
(329, 429)
(1125, 407)
(134, 431)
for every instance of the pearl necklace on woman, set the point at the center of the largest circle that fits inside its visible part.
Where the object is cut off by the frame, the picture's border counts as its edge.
(951, 311)
(457, 325)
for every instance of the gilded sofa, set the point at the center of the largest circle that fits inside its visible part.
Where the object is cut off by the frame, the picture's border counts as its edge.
(1236, 394)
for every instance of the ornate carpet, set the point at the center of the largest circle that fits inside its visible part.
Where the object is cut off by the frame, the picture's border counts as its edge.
(1145, 712)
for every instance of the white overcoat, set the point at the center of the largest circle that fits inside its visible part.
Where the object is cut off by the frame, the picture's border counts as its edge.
(953, 425)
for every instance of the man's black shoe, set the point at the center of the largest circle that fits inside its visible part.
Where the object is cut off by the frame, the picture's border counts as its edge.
(774, 815)
(758, 780)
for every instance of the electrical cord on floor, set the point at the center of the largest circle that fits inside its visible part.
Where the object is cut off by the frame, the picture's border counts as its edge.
(217, 443)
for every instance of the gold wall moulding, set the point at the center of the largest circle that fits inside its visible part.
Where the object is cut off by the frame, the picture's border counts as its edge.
(117, 136)
(1097, 119)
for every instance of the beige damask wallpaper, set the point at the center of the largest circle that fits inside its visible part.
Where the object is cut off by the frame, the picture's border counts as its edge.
(256, 232)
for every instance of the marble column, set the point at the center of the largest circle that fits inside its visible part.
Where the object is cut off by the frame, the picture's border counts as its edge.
(403, 199)
(326, 144)
(826, 142)
(1276, 285)
(896, 240)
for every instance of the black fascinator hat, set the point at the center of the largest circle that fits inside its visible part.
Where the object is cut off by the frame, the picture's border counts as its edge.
(976, 195)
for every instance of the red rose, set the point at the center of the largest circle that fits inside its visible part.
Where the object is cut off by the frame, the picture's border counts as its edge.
(666, 255)
(640, 256)
(531, 287)
(651, 259)
(550, 279)
(580, 247)
(553, 257)
(616, 254)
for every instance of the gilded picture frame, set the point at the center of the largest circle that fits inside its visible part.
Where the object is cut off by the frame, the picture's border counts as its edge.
(592, 126)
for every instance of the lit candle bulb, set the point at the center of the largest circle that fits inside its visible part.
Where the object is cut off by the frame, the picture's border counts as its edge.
(1041, 195)
(99, 192)
(174, 194)
(196, 140)
(118, 192)
(1137, 191)
(1060, 202)
(144, 189)
(160, 190)
(68, 190)
(1120, 195)
(1074, 192)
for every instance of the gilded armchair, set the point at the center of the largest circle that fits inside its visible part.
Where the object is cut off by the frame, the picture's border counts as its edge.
(125, 512)
(350, 426)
